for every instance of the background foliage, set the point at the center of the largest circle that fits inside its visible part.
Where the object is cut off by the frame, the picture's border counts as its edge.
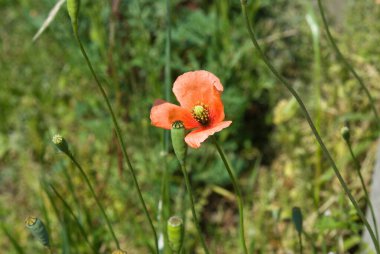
(46, 88)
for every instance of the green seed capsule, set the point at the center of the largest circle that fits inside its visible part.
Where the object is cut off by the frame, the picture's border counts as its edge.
(345, 132)
(297, 219)
(61, 144)
(73, 10)
(175, 233)
(37, 228)
(178, 141)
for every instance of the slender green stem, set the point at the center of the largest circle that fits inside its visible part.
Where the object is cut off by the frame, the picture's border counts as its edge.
(347, 64)
(237, 191)
(119, 136)
(85, 177)
(167, 67)
(358, 170)
(168, 52)
(311, 124)
(190, 193)
(164, 205)
(81, 229)
(300, 242)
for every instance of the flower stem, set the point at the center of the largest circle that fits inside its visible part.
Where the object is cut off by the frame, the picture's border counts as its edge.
(311, 124)
(81, 229)
(358, 170)
(118, 133)
(346, 63)
(237, 191)
(190, 193)
(87, 180)
(300, 242)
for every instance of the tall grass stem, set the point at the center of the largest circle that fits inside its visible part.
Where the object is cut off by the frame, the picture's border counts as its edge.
(119, 136)
(237, 191)
(87, 180)
(346, 63)
(310, 122)
(68, 208)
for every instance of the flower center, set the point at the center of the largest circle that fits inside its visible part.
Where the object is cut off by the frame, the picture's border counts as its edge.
(201, 114)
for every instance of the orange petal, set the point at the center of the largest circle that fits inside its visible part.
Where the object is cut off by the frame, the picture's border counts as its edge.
(216, 111)
(196, 87)
(195, 138)
(163, 114)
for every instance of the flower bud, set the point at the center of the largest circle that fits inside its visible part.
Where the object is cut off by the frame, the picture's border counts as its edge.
(61, 144)
(178, 141)
(37, 228)
(73, 10)
(119, 252)
(175, 233)
(345, 132)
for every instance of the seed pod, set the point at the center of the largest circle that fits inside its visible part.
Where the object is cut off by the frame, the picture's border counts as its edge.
(119, 252)
(73, 10)
(61, 144)
(178, 141)
(297, 219)
(345, 132)
(175, 233)
(37, 228)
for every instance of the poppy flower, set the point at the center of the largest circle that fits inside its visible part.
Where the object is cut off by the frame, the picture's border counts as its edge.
(201, 108)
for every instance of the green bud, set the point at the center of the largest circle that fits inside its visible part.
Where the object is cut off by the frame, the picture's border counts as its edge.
(37, 228)
(345, 132)
(73, 10)
(119, 252)
(178, 141)
(175, 233)
(61, 144)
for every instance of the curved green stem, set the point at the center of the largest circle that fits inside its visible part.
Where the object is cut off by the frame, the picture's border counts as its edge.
(311, 124)
(81, 229)
(190, 193)
(346, 63)
(237, 191)
(118, 133)
(85, 177)
(358, 170)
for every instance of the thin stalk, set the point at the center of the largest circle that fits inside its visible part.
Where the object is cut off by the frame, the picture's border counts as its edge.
(118, 133)
(358, 170)
(311, 124)
(81, 229)
(190, 193)
(347, 64)
(164, 204)
(85, 177)
(237, 191)
(300, 242)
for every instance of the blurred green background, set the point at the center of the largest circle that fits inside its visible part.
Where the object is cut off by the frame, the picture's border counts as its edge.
(46, 88)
